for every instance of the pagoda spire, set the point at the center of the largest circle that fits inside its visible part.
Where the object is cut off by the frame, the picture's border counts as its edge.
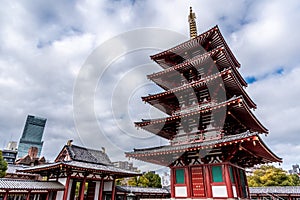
(193, 28)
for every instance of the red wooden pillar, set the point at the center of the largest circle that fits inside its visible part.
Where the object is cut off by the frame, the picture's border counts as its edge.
(6, 195)
(100, 195)
(206, 171)
(113, 191)
(28, 195)
(48, 193)
(172, 181)
(66, 191)
(187, 174)
(246, 184)
(82, 187)
(228, 181)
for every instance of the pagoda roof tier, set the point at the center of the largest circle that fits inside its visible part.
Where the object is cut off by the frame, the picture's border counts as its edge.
(219, 55)
(236, 108)
(76, 166)
(213, 35)
(167, 101)
(245, 149)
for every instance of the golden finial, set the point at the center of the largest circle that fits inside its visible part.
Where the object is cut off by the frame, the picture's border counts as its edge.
(193, 28)
(69, 143)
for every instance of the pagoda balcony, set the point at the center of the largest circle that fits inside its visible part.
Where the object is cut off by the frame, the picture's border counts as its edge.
(198, 136)
(194, 107)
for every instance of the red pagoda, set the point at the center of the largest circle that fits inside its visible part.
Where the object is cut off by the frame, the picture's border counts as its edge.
(212, 131)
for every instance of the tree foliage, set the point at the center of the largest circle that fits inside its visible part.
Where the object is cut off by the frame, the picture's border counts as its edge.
(148, 179)
(268, 175)
(3, 166)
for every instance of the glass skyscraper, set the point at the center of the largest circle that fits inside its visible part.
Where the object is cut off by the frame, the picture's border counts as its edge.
(32, 135)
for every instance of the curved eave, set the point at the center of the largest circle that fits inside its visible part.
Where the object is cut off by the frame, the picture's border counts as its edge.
(242, 111)
(260, 149)
(227, 47)
(194, 84)
(43, 169)
(230, 82)
(213, 33)
(249, 143)
(197, 60)
(237, 107)
(219, 55)
(238, 88)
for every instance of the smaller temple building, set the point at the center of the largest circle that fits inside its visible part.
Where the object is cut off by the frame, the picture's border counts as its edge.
(77, 173)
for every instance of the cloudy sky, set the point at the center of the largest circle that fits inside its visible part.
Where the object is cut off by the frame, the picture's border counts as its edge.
(76, 64)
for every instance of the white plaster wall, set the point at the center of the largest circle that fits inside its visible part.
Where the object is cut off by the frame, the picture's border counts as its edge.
(60, 195)
(62, 180)
(97, 190)
(70, 188)
(234, 191)
(180, 191)
(107, 186)
(219, 191)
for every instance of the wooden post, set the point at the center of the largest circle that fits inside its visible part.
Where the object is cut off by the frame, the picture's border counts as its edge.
(28, 195)
(100, 195)
(66, 191)
(172, 181)
(206, 171)
(48, 194)
(6, 195)
(83, 187)
(113, 191)
(228, 181)
(188, 179)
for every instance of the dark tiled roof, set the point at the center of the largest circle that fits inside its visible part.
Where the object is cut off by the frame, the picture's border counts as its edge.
(275, 190)
(29, 185)
(12, 169)
(85, 166)
(82, 154)
(142, 190)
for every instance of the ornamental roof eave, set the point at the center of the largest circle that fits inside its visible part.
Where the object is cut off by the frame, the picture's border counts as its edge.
(196, 41)
(152, 99)
(197, 83)
(80, 166)
(219, 54)
(240, 107)
(262, 150)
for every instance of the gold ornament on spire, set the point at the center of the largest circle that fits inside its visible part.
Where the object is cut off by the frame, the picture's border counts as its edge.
(193, 28)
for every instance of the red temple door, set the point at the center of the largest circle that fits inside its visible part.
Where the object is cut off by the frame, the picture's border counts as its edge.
(91, 191)
(198, 189)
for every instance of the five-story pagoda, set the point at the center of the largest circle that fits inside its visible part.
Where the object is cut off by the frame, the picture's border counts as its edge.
(212, 131)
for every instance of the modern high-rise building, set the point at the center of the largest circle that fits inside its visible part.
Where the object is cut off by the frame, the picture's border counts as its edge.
(32, 135)
(10, 152)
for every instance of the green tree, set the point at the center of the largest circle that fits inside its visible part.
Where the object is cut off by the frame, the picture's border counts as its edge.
(148, 179)
(268, 175)
(154, 180)
(3, 166)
